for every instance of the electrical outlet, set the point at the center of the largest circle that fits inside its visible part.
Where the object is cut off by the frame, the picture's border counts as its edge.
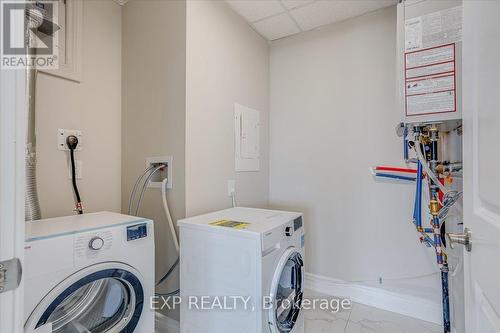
(231, 187)
(62, 134)
(160, 175)
(78, 169)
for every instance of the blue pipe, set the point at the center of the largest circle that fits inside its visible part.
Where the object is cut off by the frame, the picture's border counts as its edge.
(388, 175)
(446, 300)
(417, 208)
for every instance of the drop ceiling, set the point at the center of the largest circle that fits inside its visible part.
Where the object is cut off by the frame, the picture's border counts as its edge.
(275, 19)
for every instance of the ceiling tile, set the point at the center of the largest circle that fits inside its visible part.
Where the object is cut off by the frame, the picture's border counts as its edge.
(327, 11)
(253, 10)
(319, 13)
(289, 4)
(276, 27)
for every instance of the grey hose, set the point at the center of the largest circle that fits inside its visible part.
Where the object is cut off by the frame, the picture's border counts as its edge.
(132, 194)
(173, 293)
(32, 209)
(31, 204)
(145, 185)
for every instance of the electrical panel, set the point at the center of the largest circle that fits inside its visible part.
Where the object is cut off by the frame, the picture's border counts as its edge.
(430, 60)
(247, 138)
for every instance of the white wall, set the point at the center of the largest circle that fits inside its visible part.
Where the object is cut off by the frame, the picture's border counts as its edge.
(93, 106)
(333, 115)
(154, 61)
(227, 62)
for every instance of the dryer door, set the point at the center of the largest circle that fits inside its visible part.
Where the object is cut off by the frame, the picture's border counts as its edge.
(287, 292)
(102, 298)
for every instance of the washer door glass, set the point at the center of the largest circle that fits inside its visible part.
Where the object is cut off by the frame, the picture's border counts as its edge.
(106, 301)
(289, 293)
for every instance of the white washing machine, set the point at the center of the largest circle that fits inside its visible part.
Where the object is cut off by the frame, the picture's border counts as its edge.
(250, 253)
(89, 273)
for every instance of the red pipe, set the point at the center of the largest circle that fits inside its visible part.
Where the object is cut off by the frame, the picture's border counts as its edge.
(394, 169)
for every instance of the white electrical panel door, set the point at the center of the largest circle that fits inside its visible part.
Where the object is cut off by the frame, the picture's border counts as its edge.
(247, 138)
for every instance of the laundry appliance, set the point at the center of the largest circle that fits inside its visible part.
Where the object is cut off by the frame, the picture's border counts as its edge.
(242, 270)
(89, 273)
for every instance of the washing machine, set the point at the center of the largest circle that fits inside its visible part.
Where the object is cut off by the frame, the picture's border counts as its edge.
(242, 270)
(89, 273)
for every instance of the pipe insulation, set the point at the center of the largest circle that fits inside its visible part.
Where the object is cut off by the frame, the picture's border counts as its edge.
(32, 209)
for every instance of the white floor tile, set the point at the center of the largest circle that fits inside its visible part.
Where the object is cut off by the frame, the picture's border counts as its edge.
(366, 319)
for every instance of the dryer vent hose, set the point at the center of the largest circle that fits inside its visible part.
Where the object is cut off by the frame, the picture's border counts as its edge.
(32, 205)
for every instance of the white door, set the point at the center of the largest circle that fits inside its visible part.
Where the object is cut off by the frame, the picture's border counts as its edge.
(481, 98)
(12, 128)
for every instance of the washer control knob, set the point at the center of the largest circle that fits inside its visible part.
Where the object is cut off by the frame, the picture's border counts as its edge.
(289, 231)
(96, 243)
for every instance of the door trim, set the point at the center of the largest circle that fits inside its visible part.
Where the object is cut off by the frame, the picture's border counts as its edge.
(12, 145)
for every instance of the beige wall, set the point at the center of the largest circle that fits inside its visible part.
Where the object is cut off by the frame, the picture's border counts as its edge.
(154, 60)
(93, 106)
(333, 115)
(227, 63)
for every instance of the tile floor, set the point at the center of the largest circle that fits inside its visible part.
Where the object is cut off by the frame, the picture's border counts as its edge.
(363, 319)
(358, 319)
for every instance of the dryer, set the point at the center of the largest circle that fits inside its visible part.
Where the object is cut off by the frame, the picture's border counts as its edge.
(89, 273)
(242, 252)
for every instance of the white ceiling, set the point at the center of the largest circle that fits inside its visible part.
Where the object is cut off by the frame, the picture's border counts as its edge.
(275, 19)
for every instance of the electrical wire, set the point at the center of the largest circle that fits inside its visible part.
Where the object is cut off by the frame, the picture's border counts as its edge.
(75, 186)
(78, 200)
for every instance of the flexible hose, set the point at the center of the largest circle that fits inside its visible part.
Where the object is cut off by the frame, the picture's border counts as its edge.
(144, 187)
(167, 214)
(134, 190)
(173, 293)
(427, 170)
(31, 204)
(32, 209)
(150, 172)
(169, 272)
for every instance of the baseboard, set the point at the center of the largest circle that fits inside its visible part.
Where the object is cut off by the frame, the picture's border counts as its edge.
(407, 305)
(164, 324)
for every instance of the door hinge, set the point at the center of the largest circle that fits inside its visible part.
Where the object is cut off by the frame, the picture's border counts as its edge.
(10, 274)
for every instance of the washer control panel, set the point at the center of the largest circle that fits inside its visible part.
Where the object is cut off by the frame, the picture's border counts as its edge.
(137, 231)
(96, 243)
(93, 244)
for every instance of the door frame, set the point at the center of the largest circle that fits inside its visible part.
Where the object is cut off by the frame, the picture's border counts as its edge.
(13, 105)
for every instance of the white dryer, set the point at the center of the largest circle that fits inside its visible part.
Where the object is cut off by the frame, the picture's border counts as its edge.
(89, 273)
(242, 252)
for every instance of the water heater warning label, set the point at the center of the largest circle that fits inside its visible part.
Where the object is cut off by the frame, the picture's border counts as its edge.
(442, 27)
(430, 80)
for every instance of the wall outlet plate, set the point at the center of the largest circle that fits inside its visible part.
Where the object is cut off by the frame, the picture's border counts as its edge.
(62, 134)
(160, 175)
(231, 187)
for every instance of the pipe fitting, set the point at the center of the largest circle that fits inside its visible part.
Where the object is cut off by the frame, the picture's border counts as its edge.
(434, 207)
